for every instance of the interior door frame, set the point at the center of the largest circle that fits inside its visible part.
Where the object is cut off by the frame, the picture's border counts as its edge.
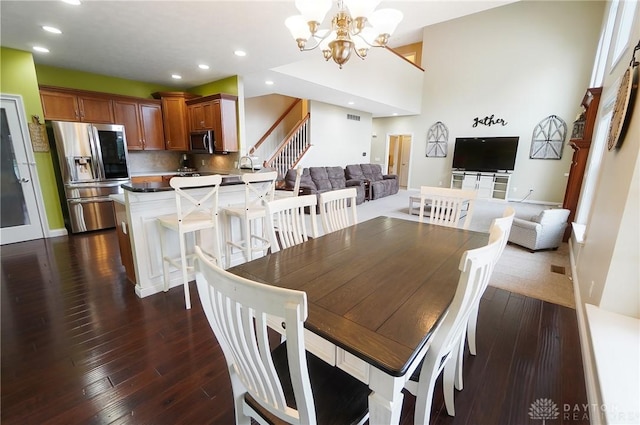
(16, 99)
(386, 153)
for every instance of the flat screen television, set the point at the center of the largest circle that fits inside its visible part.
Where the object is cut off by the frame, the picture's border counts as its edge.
(488, 154)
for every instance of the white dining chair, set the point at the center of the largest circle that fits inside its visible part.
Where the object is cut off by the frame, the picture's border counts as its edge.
(194, 213)
(447, 205)
(338, 209)
(259, 189)
(284, 193)
(287, 222)
(287, 384)
(504, 223)
(475, 267)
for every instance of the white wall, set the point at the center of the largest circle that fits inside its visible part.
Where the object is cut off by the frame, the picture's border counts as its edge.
(521, 62)
(335, 139)
(608, 266)
(261, 113)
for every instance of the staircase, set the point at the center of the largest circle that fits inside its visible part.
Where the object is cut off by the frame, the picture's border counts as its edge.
(285, 153)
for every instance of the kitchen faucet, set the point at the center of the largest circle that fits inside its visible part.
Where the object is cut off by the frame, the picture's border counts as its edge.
(251, 159)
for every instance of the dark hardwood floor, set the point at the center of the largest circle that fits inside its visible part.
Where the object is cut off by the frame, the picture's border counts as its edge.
(79, 347)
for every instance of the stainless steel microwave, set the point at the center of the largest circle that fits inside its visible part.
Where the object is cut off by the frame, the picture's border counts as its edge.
(202, 141)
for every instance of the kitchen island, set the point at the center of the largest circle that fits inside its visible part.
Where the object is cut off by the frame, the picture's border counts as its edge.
(136, 212)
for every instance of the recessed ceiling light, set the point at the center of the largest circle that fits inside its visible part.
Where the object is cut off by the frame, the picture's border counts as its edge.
(176, 76)
(240, 53)
(203, 66)
(52, 30)
(73, 2)
(269, 82)
(351, 102)
(395, 113)
(40, 49)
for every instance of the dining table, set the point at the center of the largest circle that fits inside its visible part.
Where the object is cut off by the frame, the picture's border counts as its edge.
(376, 293)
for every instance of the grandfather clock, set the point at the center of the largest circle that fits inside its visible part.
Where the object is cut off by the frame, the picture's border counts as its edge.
(580, 142)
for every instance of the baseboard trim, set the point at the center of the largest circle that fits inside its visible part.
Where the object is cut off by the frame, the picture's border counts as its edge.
(54, 233)
(590, 377)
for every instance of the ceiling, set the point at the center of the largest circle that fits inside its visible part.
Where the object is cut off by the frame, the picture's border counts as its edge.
(150, 40)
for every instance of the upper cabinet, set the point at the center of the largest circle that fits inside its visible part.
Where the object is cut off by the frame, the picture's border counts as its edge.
(142, 121)
(76, 105)
(218, 113)
(174, 113)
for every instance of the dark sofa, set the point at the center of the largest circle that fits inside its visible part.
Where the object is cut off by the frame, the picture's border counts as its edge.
(380, 185)
(316, 180)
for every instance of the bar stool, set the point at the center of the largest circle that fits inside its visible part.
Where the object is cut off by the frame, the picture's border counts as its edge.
(259, 188)
(195, 211)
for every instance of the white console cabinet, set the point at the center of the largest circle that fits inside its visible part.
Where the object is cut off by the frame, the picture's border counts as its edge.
(487, 185)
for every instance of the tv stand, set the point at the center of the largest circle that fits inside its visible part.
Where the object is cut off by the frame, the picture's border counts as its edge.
(487, 185)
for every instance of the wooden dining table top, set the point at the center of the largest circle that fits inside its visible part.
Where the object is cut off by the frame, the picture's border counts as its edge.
(377, 289)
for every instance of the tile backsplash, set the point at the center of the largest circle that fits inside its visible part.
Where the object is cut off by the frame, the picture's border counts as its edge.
(160, 161)
(153, 161)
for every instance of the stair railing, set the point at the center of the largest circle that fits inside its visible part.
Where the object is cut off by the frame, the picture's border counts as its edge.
(292, 148)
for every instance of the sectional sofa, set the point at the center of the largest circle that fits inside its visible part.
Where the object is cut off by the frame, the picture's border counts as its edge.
(366, 178)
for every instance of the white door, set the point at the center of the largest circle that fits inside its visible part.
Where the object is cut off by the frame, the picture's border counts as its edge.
(20, 219)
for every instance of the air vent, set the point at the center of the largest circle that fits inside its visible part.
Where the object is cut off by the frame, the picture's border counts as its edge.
(353, 117)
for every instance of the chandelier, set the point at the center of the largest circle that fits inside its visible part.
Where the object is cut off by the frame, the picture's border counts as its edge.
(356, 27)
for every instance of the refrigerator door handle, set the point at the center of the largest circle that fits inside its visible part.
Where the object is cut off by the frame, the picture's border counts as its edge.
(205, 140)
(89, 200)
(95, 152)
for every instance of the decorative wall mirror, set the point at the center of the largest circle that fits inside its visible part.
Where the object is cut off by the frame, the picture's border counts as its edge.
(437, 140)
(548, 138)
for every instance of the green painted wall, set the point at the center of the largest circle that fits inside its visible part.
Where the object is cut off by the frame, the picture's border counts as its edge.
(228, 85)
(18, 76)
(52, 76)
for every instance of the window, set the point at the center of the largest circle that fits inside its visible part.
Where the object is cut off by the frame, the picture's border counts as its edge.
(593, 168)
(597, 77)
(624, 30)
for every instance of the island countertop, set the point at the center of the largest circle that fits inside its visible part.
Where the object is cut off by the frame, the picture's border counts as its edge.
(163, 186)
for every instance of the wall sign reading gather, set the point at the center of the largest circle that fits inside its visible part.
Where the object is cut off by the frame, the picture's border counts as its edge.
(488, 121)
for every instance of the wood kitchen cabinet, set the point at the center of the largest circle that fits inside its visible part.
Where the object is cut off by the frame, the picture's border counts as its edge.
(218, 113)
(63, 104)
(124, 241)
(174, 113)
(142, 121)
(201, 116)
(147, 179)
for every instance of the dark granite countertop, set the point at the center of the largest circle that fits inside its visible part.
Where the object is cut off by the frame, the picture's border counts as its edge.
(163, 186)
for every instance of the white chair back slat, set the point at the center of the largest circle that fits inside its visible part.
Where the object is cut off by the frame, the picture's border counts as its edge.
(338, 209)
(296, 185)
(236, 309)
(287, 221)
(504, 223)
(447, 205)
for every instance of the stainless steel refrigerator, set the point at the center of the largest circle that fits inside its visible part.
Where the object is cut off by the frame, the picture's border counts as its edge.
(93, 165)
